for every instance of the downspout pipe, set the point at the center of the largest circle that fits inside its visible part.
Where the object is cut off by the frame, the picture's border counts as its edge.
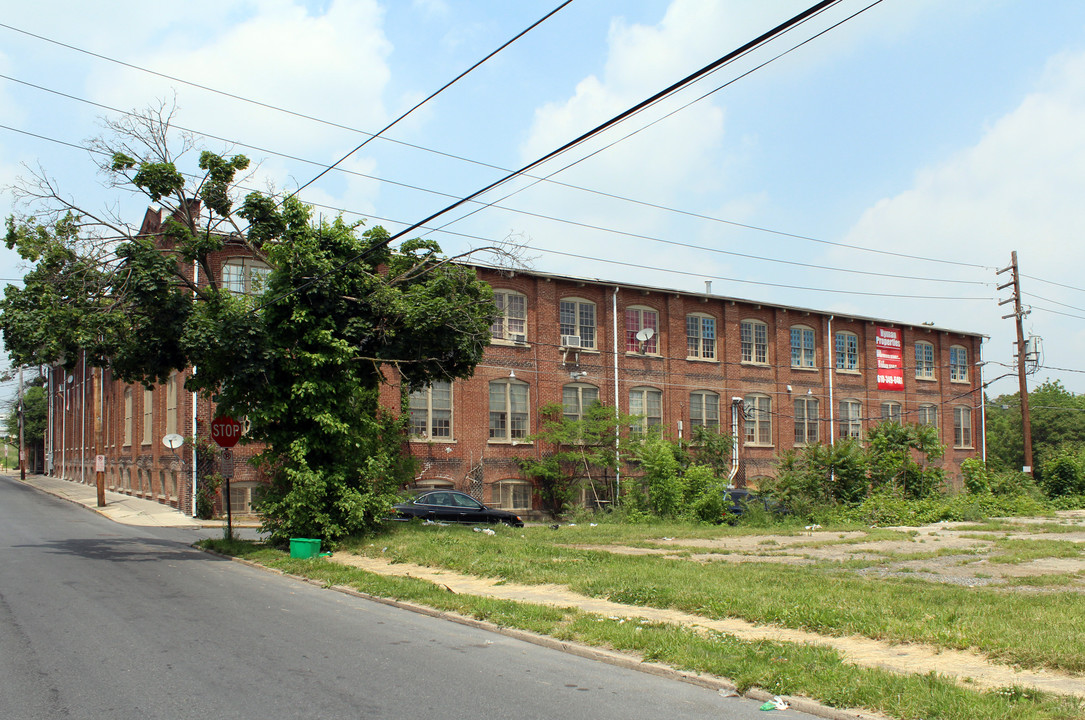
(617, 412)
(983, 408)
(736, 403)
(196, 282)
(830, 368)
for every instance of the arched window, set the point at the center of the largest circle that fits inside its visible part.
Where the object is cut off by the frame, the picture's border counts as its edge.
(576, 398)
(245, 276)
(641, 318)
(851, 419)
(646, 404)
(512, 494)
(891, 411)
(704, 409)
(508, 410)
(962, 426)
(847, 350)
(924, 360)
(802, 346)
(754, 335)
(958, 364)
(701, 336)
(431, 411)
(511, 323)
(806, 420)
(577, 320)
(758, 409)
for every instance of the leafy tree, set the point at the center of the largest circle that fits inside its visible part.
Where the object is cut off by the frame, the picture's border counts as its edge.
(1057, 417)
(821, 474)
(666, 486)
(1064, 471)
(341, 313)
(899, 455)
(581, 450)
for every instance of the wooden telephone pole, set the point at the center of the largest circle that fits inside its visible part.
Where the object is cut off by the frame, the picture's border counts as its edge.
(1026, 424)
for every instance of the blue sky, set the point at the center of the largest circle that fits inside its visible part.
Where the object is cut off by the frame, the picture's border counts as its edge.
(949, 131)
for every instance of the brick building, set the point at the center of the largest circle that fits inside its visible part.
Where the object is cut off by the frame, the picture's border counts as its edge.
(678, 359)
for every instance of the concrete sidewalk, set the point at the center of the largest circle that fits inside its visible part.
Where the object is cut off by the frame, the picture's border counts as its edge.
(120, 508)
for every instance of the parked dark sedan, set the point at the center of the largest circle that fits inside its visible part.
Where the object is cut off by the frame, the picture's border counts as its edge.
(452, 506)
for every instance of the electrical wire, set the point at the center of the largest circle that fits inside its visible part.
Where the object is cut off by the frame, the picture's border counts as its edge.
(453, 156)
(432, 95)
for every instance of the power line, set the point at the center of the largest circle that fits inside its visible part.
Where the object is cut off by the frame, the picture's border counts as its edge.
(434, 94)
(304, 116)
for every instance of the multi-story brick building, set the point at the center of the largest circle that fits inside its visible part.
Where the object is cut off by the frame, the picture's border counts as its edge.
(791, 376)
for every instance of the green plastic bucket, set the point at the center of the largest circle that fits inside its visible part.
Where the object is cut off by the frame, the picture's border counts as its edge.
(304, 548)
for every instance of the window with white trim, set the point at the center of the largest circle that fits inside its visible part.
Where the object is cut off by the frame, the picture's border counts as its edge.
(508, 410)
(758, 411)
(245, 276)
(891, 411)
(701, 336)
(847, 350)
(646, 405)
(512, 495)
(704, 409)
(802, 347)
(927, 415)
(637, 319)
(511, 323)
(958, 364)
(242, 495)
(576, 398)
(754, 335)
(431, 411)
(924, 360)
(807, 420)
(576, 318)
(851, 418)
(962, 427)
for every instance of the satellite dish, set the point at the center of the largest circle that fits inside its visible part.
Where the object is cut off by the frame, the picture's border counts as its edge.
(646, 334)
(173, 441)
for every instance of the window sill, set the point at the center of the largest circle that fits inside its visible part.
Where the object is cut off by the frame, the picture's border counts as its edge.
(758, 445)
(502, 342)
(655, 355)
(441, 441)
(926, 379)
(510, 443)
(844, 371)
(751, 363)
(710, 361)
(804, 368)
(963, 447)
(960, 382)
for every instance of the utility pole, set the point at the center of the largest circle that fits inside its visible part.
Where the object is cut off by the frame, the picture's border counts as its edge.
(1019, 314)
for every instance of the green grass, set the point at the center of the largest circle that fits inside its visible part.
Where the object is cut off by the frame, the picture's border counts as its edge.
(1017, 551)
(781, 668)
(827, 599)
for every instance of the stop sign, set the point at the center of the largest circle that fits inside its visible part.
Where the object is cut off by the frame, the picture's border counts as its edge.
(225, 431)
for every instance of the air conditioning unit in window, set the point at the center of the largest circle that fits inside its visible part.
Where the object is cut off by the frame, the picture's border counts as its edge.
(518, 338)
(570, 341)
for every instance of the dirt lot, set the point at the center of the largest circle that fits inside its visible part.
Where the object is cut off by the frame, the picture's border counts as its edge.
(958, 553)
(990, 554)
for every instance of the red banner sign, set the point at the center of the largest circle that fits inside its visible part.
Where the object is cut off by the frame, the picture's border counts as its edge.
(889, 349)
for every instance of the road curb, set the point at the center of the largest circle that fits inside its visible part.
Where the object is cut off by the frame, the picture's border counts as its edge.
(623, 660)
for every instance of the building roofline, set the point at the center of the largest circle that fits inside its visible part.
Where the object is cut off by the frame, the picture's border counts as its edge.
(724, 298)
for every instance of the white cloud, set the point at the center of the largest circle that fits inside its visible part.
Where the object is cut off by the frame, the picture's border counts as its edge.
(1020, 187)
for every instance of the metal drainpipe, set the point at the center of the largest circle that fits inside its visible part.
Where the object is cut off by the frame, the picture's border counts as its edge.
(195, 282)
(830, 366)
(49, 433)
(617, 412)
(736, 402)
(983, 408)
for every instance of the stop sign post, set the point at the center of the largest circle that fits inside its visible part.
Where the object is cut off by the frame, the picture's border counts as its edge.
(226, 431)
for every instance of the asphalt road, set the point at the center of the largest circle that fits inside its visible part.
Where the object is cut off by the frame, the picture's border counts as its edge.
(106, 621)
